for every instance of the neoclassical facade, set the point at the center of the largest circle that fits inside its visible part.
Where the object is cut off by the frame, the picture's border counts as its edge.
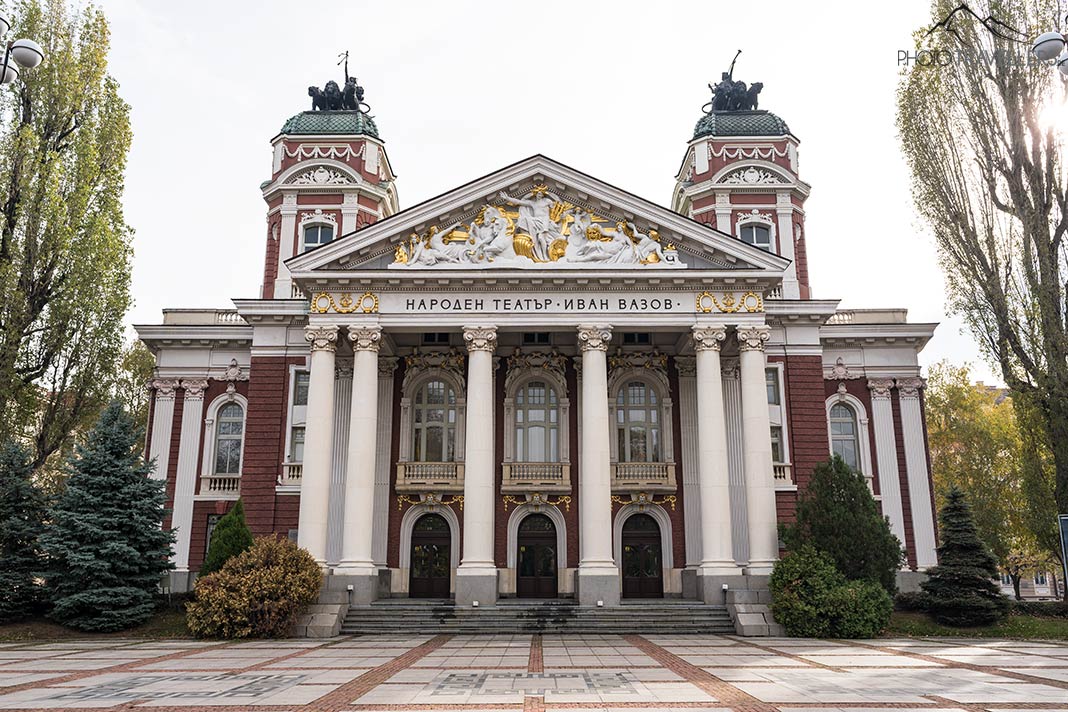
(536, 384)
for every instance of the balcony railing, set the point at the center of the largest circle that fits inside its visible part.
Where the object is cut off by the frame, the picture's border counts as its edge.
(222, 484)
(536, 477)
(643, 477)
(783, 475)
(291, 474)
(430, 476)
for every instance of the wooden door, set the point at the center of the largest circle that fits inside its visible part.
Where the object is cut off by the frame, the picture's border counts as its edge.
(431, 561)
(536, 559)
(643, 567)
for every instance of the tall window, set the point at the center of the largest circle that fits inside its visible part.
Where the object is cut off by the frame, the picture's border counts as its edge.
(758, 235)
(844, 434)
(771, 379)
(300, 388)
(315, 235)
(229, 430)
(296, 444)
(638, 422)
(776, 444)
(434, 423)
(537, 423)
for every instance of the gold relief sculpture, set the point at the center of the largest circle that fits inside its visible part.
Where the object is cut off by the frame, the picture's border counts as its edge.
(536, 501)
(751, 302)
(644, 499)
(324, 303)
(431, 500)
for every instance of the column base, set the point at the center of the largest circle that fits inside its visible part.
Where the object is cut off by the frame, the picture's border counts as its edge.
(364, 585)
(759, 568)
(710, 585)
(595, 586)
(476, 585)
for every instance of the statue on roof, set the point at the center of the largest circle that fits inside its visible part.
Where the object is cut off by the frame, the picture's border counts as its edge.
(731, 95)
(334, 98)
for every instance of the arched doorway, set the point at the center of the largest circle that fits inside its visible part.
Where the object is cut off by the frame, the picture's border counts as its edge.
(429, 573)
(643, 567)
(536, 559)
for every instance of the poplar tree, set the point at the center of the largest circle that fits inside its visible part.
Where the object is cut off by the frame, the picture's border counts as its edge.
(106, 549)
(64, 244)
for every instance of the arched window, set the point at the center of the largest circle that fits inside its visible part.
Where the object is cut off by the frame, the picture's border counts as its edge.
(537, 422)
(756, 234)
(844, 434)
(638, 422)
(434, 423)
(318, 234)
(229, 432)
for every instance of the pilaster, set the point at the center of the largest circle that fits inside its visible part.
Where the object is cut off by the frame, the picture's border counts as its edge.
(186, 481)
(882, 415)
(908, 390)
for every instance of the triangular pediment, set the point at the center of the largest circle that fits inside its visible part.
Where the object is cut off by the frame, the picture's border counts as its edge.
(538, 215)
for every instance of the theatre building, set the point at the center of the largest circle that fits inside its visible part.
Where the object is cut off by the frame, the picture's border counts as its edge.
(536, 384)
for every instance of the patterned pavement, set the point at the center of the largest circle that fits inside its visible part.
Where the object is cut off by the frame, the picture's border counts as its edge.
(525, 673)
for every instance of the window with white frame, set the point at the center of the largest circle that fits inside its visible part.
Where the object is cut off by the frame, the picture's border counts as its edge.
(638, 425)
(756, 234)
(229, 433)
(300, 388)
(1040, 579)
(771, 379)
(296, 444)
(777, 452)
(317, 234)
(434, 422)
(844, 434)
(1006, 579)
(537, 422)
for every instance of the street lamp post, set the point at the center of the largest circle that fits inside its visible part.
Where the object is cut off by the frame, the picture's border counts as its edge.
(26, 54)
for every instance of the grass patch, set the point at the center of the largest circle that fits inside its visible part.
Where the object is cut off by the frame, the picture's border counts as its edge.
(169, 623)
(920, 625)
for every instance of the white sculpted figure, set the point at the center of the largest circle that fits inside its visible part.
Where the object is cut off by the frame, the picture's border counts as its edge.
(434, 250)
(535, 220)
(580, 248)
(491, 238)
(647, 247)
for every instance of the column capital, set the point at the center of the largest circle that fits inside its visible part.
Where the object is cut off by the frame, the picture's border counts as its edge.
(480, 338)
(165, 388)
(194, 388)
(753, 338)
(686, 366)
(910, 387)
(386, 366)
(365, 338)
(708, 338)
(321, 338)
(594, 338)
(880, 387)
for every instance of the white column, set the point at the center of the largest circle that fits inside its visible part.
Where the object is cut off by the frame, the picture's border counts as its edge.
(357, 558)
(380, 534)
(476, 577)
(717, 553)
(723, 212)
(908, 391)
(318, 442)
(598, 576)
(162, 424)
(339, 462)
(732, 395)
(882, 417)
(185, 484)
(691, 478)
(756, 439)
(349, 207)
(283, 283)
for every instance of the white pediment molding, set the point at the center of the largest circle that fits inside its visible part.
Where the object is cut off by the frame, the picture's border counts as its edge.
(686, 235)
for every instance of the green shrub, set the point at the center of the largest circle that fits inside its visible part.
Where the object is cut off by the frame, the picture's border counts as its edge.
(838, 515)
(812, 599)
(961, 589)
(230, 537)
(1045, 609)
(912, 602)
(257, 594)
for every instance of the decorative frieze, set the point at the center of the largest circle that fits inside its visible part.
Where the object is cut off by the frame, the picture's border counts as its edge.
(753, 338)
(321, 338)
(638, 359)
(451, 362)
(708, 338)
(324, 303)
(480, 338)
(839, 372)
(553, 362)
(594, 338)
(730, 303)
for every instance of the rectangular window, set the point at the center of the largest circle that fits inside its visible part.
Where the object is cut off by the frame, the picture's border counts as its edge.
(632, 338)
(300, 388)
(536, 338)
(1040, 579)
(296, 444)
(1006, 580)
(439, 337)
(213, 519)
(771, 378)
(776, 444)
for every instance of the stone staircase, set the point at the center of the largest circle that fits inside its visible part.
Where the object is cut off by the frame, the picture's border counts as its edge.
(536, 616)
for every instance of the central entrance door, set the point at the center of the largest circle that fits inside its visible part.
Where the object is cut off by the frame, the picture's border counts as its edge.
(643, 569)
(536, 562)
(431, 558)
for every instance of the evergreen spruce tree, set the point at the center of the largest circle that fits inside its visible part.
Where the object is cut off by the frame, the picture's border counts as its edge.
(838, 516)
(230, 537)
(22, 514)
(106, 548)
(961, 589)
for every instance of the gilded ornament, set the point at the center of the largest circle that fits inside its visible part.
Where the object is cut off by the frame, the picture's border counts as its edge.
(751, 302)
(324, 302)
(644, 499)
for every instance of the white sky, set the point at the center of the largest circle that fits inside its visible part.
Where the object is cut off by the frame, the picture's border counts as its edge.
(460, 89)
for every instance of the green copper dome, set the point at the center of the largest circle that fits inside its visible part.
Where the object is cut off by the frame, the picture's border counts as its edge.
(331, 123)
(740, 123)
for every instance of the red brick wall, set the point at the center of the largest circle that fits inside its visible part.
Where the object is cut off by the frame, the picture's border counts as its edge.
(858, 388)
(801, 260)
(807, 416)
(172, 463)
(395, 513)
(270, 262)
(677, 514)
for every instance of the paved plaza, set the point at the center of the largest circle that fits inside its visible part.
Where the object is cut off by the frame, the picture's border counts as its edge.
(535, 672)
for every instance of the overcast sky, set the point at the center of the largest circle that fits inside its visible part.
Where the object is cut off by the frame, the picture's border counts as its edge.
(460, 89)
